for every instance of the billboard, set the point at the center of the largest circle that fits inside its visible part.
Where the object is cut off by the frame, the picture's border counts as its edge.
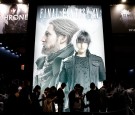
(122, 18)
(56, 30)
(13, 18)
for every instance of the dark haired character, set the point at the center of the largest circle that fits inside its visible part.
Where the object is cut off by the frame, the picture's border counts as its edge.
(83, 67)
(13, 9)
(16, 20)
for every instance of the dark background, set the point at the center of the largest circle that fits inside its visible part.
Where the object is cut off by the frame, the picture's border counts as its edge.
(119, 47)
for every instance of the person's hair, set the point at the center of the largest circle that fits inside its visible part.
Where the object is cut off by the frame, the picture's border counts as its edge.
(83, 36)
(77, 86)
(47, 89)
(64, 27)
(14, 6)
(92, 85)
(63, 85)
(36, 88)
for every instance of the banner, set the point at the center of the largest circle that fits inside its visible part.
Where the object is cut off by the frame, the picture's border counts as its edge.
(13, 18)
(86, 17)
(122, 18)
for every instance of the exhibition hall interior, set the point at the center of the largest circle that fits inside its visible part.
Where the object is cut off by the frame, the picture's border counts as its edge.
(67, 56)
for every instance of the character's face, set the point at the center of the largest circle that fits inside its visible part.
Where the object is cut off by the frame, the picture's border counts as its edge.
(12, 11)
(50, 41)
(82, 47)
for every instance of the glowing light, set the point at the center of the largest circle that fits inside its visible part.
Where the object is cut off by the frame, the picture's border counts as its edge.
(22, 67)
(131, 70)
(8, 50)
(20, 1)
(17, 55)
(123, 0)
(120, 7)
(3, 48)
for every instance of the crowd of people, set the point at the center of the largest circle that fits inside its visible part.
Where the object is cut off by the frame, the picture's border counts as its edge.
(111, 97)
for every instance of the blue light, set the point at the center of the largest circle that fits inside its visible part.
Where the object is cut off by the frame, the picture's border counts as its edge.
(2, 48)
(17, 55)
(8, 51)
(131, 70)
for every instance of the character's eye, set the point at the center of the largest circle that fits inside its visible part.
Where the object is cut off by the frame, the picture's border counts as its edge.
(47, 34)
(82, 41)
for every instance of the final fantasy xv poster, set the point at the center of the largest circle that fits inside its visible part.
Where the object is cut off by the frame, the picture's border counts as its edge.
(47, 47)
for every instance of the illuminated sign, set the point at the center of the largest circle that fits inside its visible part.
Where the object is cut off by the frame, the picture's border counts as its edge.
(13, 18)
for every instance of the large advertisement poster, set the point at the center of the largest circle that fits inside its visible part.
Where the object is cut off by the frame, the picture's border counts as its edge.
(57, 28)
(122, 18)
(13, 18)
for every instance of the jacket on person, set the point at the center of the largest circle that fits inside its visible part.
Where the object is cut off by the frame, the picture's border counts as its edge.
(96, 68)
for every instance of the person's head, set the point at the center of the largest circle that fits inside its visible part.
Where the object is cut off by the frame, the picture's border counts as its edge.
(77, 87)
(63, 85)
(82, 41)
(46, 91)
(13, 9)
(37, 89)
(58, 35)
(92, 86)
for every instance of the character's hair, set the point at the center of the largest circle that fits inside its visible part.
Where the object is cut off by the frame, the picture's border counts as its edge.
(83, 36)
(64, 27)
(14, 6)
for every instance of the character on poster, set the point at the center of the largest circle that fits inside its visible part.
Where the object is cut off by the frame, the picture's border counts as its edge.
(56, 46)
(83, 67)
(16, 20)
